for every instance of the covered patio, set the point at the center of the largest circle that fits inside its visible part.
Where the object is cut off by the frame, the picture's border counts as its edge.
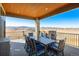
(34, 12)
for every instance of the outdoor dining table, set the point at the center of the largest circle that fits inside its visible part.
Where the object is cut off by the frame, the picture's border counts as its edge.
(46, 41)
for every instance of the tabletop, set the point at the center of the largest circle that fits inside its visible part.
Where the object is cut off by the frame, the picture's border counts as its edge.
(45, 40)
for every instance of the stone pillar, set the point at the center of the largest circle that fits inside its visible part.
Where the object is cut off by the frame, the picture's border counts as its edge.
(2, 23)
(37, 28)
(2, 28)
(4, 42)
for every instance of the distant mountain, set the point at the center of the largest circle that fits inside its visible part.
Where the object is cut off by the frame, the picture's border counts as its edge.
(24, 27)
(11, 27)
(14, 27)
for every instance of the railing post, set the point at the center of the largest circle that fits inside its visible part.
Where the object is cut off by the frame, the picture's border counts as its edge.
(78, 40)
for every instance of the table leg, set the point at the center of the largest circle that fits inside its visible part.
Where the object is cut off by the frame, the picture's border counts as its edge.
(46, 50)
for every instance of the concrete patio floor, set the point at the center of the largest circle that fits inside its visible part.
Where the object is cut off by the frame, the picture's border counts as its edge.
(17, 49)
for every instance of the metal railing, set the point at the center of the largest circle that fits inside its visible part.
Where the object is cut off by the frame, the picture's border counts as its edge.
(71, 39)
(15, 35)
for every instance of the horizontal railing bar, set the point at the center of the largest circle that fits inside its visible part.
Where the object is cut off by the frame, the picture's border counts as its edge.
(68, 33)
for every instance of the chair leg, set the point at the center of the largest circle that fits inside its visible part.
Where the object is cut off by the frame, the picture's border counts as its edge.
(62, 53)
(29, 54)
(58, 53)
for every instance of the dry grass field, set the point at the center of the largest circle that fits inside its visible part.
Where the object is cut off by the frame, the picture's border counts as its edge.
(17, 33)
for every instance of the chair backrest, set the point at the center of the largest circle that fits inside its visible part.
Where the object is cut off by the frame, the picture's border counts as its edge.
(46, 35)
(41, 34)
(30, 34)
(27, 40)
(61, 44)
(33, 44)
(52, 35)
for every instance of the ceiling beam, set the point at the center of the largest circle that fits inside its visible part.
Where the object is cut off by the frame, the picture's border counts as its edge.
(2, 11)
(20, 16)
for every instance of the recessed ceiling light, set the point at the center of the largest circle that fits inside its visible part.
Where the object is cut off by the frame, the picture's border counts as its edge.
(18, 11)
(46, 9)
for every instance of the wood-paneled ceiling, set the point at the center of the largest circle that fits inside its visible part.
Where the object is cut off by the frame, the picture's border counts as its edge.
(36, 10)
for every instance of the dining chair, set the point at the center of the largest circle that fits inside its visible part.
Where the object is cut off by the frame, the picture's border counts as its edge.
(58, 48)
(28, 45)
(46, 35)
(52, 35)
(30, 34)
(38, 49)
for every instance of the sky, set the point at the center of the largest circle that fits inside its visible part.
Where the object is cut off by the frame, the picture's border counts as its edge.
(69, 19)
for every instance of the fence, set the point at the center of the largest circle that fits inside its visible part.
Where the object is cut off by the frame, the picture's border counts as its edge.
(71, 39)
(15, 35)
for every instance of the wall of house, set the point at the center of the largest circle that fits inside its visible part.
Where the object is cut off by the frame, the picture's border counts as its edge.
(2, 30)
(4, 42)
(2, 25)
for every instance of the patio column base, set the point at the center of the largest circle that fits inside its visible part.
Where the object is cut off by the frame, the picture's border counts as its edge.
(4, 47)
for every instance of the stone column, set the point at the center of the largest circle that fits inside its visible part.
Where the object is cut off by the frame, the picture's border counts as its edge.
(2, 28)
(2, 23)
(37, 28)
(4, 42)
